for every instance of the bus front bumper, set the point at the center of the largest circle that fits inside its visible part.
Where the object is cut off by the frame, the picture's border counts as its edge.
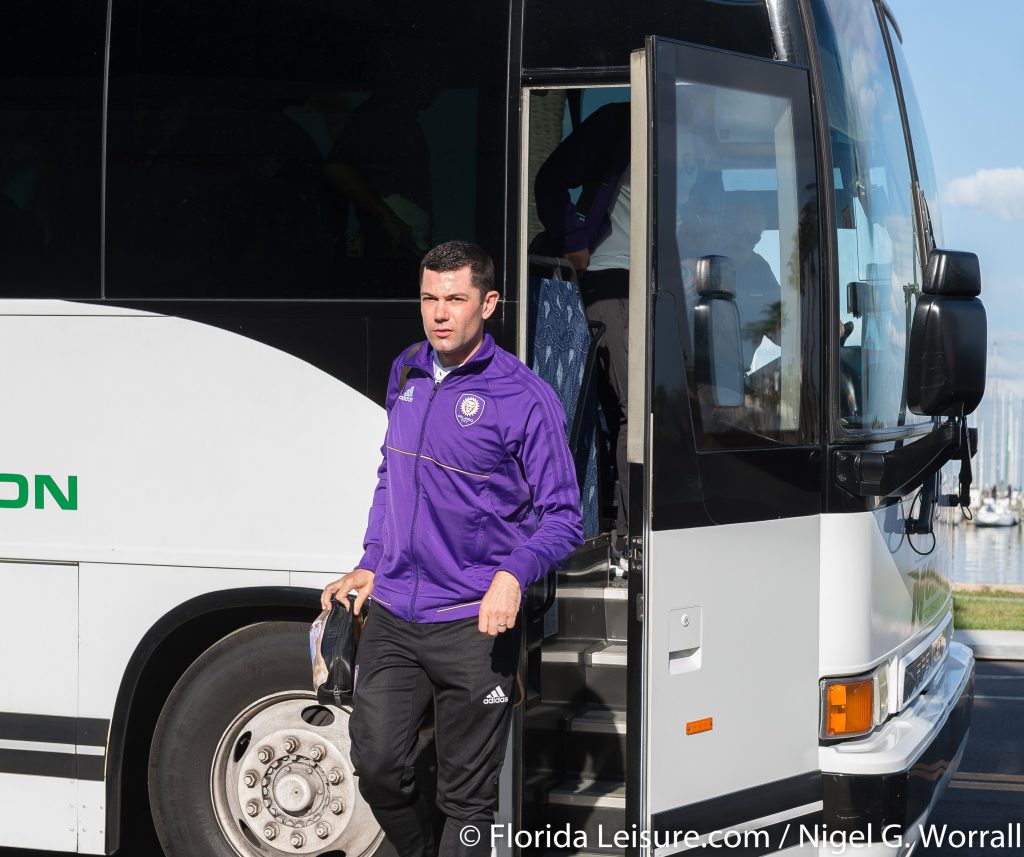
(886, 784)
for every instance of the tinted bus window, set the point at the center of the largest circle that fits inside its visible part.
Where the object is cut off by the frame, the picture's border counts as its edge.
(578, 33)
(737, 189)
(272, 149)
(51, 78)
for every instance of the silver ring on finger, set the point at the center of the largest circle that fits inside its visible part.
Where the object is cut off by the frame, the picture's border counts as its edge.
(502, 625)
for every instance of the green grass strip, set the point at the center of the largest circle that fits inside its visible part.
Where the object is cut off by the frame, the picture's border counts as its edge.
(988, 611)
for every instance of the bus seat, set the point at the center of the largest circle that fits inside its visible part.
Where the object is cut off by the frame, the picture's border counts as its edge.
(563, 351)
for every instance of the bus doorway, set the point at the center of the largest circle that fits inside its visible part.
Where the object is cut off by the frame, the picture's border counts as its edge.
(654, 703)
(725, 341)
(574, 317)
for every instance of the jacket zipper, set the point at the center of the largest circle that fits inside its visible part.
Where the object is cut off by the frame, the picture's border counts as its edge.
(416, 505)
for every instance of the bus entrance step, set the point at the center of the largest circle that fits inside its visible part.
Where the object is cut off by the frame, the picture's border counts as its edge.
(589, 793)
(605, 721)
(588, 742)
(605, 670)
(595, 743)
(592, 612)
(588, 565)
(594, 806)
(593, 671)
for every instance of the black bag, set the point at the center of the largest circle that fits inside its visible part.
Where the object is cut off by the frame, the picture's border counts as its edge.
(333, 638)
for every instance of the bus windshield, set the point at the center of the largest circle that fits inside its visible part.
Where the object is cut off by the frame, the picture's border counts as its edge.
(876, 234)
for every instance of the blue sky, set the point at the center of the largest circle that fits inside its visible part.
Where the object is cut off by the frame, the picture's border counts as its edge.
(968, 69)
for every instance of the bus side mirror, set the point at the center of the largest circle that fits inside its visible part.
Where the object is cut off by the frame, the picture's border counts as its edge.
(948, 339)
(718, 352)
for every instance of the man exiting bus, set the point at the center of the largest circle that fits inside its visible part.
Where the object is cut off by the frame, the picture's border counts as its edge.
(476, 499)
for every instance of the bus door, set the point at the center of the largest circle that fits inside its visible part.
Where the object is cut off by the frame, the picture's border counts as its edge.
(725, 462)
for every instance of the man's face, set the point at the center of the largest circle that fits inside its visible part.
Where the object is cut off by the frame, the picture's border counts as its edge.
(453, 313)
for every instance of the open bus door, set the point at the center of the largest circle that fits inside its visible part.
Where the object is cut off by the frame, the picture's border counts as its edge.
(724, 461)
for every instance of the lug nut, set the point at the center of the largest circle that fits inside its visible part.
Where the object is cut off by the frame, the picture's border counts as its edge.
(253, 808)
(323, 830)
(337, 806)
(298, 840)
(264, 754)
(251, 778)
(317, 753)
(335, 776)
(271, 831)
(291, 744)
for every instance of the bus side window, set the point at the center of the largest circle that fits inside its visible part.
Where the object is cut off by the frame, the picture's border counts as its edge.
(738, 197)
(50, 136)
(313, 151)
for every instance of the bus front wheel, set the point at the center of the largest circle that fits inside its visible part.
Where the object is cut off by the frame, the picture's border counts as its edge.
(245, 762)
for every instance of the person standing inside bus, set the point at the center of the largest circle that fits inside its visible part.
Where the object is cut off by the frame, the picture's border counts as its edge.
(593, 234)
(476, 499)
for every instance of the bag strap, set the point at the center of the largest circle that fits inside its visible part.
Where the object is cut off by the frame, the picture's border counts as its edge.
(521, 687)
(357, 621)
(404, 376)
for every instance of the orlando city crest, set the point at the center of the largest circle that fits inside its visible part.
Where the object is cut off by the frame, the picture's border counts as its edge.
(469, 408)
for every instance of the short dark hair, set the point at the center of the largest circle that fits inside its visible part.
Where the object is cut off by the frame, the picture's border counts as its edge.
(455, 255)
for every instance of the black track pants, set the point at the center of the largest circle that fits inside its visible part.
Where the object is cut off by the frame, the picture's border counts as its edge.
(470, 677)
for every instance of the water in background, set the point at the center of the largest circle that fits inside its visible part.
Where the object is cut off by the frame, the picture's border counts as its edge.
(988, 554)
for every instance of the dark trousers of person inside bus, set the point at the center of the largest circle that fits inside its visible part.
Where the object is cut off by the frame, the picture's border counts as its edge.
(469, 676)
(605, 294)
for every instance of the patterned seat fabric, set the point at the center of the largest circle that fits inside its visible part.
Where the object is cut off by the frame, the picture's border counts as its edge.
(560, 346)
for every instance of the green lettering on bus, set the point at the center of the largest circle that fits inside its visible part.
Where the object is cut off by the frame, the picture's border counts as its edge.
(65, 501)
(44, 484)
(21, 501)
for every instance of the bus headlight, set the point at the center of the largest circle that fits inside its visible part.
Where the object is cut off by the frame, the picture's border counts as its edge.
(854, 706)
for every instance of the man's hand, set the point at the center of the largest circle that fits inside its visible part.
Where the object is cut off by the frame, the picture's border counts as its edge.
(361, 580)
(500, 604)
(580, 259)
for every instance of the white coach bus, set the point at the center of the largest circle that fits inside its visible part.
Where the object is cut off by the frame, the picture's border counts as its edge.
(211, 216)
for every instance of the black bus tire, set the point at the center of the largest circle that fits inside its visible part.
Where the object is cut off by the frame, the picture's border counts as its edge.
(214, 722)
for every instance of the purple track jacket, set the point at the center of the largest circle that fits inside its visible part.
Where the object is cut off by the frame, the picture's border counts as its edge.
(476, 477)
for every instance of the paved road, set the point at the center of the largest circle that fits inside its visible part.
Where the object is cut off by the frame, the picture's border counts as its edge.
(986, 795)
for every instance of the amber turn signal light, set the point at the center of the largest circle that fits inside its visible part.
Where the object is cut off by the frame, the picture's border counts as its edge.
(849, 708)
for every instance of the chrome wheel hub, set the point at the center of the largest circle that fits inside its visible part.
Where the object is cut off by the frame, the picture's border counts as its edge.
(282, 782)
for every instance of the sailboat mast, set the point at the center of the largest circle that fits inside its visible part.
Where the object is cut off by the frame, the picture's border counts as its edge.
(994, 417)
(1011, 442)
